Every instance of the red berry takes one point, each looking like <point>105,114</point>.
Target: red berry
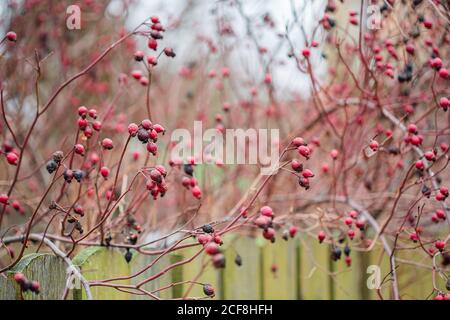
<point>440,214</point>
<point>334,154</point>
<point>321,236</point>
<point>360,224</point>
<point>266,211</point>
<point>147,124</point>
<point>298,141</point>
<point>419,165</point>
<point>159,128</point>
<point>133,129</point>
<point>430,156</point>
<point>307,173</point>
<point>107,144</point>
<point>348,261</point>
<point>104,171</point>
<point>203,238</point>
<point>136,74</point>
<point>296,165</point>
<point>304,151</point>
<point>82,124</point>
<point>12,158</point>
<point>306,52</point>
<point>4,198</point>
<point>19,277</point>
<point>92,113</point>
<point>11,36</point>
<point>374,145</point>
<point>212,248</point>
<point>196,192</point>
<point>152,148</point>
<point>440,197</point>
<point>263,221</point>
<point>78,209</point>
<point>82,111</point>
<point>169,52</point>
<point>440,245</point>
<point>269,233</point>
<point>293,231</point>
<point>348,221</point>
<point>79,149</point>
<point>152,60</point>
<point>138,55</point>
<point>208,290</point>
<point>351,234</point>
<point>152,44</point>
<point>444,191</point>
<point>443,73</point>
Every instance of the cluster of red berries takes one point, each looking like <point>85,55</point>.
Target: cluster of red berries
<point>155,34</point>
<point>352,219</point>
<point>305,151</point>
<point>147,132</point>
<point>88,125</point>
<point>188,181</point>
<point>211,243</point>
<point>438,215</point>
<point>11,153</point>
<point>156,183</point>
<point>265,222</point>
<point>25,284</point>
<point>15,204</point>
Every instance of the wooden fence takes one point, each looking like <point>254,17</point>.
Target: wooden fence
<point>304,271</point>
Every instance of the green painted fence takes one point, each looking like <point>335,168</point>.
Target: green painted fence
<point>299,268</point>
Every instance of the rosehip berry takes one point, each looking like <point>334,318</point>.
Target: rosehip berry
<point>440,245</point>
<point>444,191</point>
<point>147,124</point>
<point>107,144</point>
<point>133,129</point>
<point>104,171</point>
<point>144,81</point>
<point>334,154</point>
<point>11,36</point>
<point>360,224</point>
<point>78,209</point>
<point>321,236</point>
<point>443,73</point>
<point>267,211</point>
<point>304,151</point>
<point>348,261</point>
<point>440,197</point>
<point>307,173</point>
<point>298,141</point>
<point>348,221</point>
<point>208,290</point>
<point>196,192</point>
<point>152,148</point>
<point>374,145</point>
<point>136,74</point>
<point>169,52</point>
<point>152,44</point>
<point>440,214</point>
<point>269,233</point>
<point>263,221</point>
<point>82,124</point>
<point>97,125</point>
<point>79,149</point>
<point>430,156</point>
<point>296,165</point>
<point>219,261</point>
<point>413,236</point>
<point>420,165</point>
<point>159,128</point>
<point>152,60</point>
<point>203,238</point>
<point>82,111</point>
<point>138,55</point>
<point>351,234</point>
<point>19,277</point>
<point>293,231</point>
<point>4,198</point>
<point>212,248</point>
<point>12,158</point>
<point>353,214</point>
<point>444,103</point>
<point>412,128</point>
<point>306,52</point>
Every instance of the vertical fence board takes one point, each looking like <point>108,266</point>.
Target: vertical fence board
<point>281,284</point>
<point>99,263</point>
<point>139,262</point>
<point>347,282</point>
<point>314,266</point>
<point>380,258</point>
<point>242,282</point>
<point>48,269</point>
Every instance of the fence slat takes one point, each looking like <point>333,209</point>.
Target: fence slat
<point>98,263</point>
<point>314,266</point>
<point>242,282</point>
<point>281,284</point>
<point>48,269</point>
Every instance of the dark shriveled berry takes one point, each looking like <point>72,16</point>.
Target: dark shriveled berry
<point>58,156</point>
<point>207,228</point>
<point>208,290</point>
<point>51,166</point>
<point>128,256</point>
<point>219,261</point>
<point>188,169</point>
<point>347,250</point>
<point>78,175</point>
<point>238,260</point>
<point>143,135</point>
<point>68,175</point>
